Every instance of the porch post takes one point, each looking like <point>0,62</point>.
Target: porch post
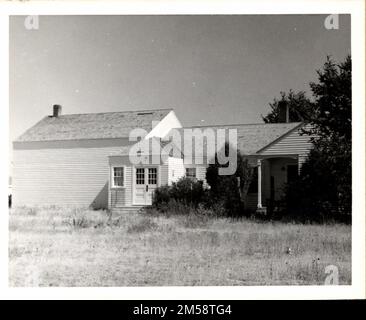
<point>301,158</point>
<point>259,166</point>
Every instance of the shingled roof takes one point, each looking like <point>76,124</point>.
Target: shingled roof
<point>92,125</point>
<point>251,137</point>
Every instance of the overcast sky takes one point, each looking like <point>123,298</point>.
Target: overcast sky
<point>210,69</point>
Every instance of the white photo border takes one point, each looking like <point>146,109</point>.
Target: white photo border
<point>354,7</point>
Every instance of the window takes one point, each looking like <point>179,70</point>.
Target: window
<point>140,176</point>
<point>152,176</point>
<point>191,172</point>
<point>118,176</point>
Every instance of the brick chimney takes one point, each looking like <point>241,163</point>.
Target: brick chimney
<point>283,115</point>
<point>57,109</point>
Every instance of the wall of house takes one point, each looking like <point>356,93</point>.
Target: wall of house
<point>252,201</point>
<point>176,169</point>
<point>164,173</point>
<point>200,171</point>
<point>292,143</point>
<point>171,170</point>
<point>66,175</point>
<point>278,169</point>
<point>121,197</point>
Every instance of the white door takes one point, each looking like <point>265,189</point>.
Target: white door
<point>146,181</point>
<point>139,192</point>
<point>152,182</point>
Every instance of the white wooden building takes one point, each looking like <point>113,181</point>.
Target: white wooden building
<point>84,159</point>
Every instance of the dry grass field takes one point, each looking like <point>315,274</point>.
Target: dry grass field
<point>75,247</point>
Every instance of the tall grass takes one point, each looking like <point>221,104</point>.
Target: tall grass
<point>80,247</point>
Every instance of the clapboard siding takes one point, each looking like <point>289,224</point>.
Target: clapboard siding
<point>301,160</point>
<point>200,171</point>
<point>278,169</point>
<point>251,201</point>
<point>121,197</point>
<point>62,176</point>
<point>164,173</point>
<point>176,169</point>
<point>292,143</point>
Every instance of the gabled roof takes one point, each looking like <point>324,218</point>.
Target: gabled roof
<point>251,137</point>
<point>92,125</point>
<point>280,138</point>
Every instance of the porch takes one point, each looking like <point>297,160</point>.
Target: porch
<point>272,174</point>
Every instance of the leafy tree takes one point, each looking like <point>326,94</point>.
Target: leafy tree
<point>331,114</point>
<point>331,124</point>
<point>313,196</point>
<point>325,182</point>
<point>298,105</point>
<point>230,190</point>
<point>324,187</point>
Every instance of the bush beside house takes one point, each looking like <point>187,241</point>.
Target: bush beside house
<point>224,196</point>
<point>186,191</point>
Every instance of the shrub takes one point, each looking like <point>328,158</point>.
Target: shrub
<point>174,207</point>
<point>231,191</point>
<point>225,189</point>
<point>186,192</point>
<point>188,196</point>
<point>314,195</point>
<point>161,196</point>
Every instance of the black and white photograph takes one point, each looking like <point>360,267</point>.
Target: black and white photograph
<point>182,150</point>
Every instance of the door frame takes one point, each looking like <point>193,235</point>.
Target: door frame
<point>134,179</point>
